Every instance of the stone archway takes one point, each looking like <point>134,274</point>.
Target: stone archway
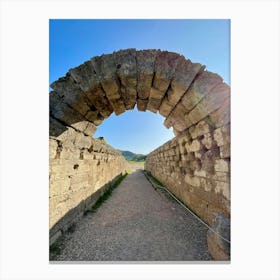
<point>151,79</point>
<point>196,103</point>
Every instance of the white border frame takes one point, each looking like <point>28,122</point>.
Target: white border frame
<point>255,137</point>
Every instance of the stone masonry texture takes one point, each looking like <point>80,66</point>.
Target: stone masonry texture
<point>195,168</point>
<point>80,169</point>
<point>195,165</point>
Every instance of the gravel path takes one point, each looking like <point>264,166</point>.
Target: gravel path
<point>136,224</point>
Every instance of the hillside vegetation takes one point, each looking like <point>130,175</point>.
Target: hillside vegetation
<point>130,156</point>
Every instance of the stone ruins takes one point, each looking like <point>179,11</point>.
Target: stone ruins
<point>194,165</point>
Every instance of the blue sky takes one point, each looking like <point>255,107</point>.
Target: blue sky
<point>74,41</point>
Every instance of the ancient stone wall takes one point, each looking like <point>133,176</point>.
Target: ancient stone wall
<point>195,166</point>
<point>81,168</point>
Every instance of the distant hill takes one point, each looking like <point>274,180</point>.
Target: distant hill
<point>132,156</point>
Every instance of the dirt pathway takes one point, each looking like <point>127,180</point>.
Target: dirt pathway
<point>136,224</point>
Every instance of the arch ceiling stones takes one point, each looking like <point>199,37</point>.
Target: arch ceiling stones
<point>160,81</point>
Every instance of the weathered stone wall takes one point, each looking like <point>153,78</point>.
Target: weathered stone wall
<point>81,168</point>
<point>195,166</point>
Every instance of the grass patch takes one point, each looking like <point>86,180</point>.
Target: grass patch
<point>155,180</point>
<point>134,162</point>
<point>106,195</point>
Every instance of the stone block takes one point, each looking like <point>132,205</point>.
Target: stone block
<point>90,129</point>
<point>178,112</point>
<point>187,121</point>
<point>177,118</point>
<point>64,114</point>
<point>126,67</point>
<point>165,108</point>
<point>85,76</point>
<point>207,141</point>
<point>69,134</point>
<point>82,141</point>
<point>200,129</point>
<point>142,104</point>
<point>61,111</point>
<point>130,98</point>
<point>211,102</point>
<point>165,66</point>
<point>127,73</point>
<point>80,126</point>
<point>221,165</point>
<point>69,153</point>
<point>100,102</point>
<point>56,128</point>
<point>118,106</point>
<point>54,99</point>
<point>201,86</point>
<point>145,71</point>
<point>153,105</point>
<point>184,74</point>
<point>194,146</point>
<point>221,116</point>
<point>68,143</point>
<point>179,125</point>
<point>155,98</point>
<point>71,94</point>
<point>98,122</point>
<point>156,94</point>
<point>105,68</point>
<point>222,135</point>
<point>92,115</point>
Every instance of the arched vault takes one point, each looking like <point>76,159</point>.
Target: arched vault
<point>160,81</point>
